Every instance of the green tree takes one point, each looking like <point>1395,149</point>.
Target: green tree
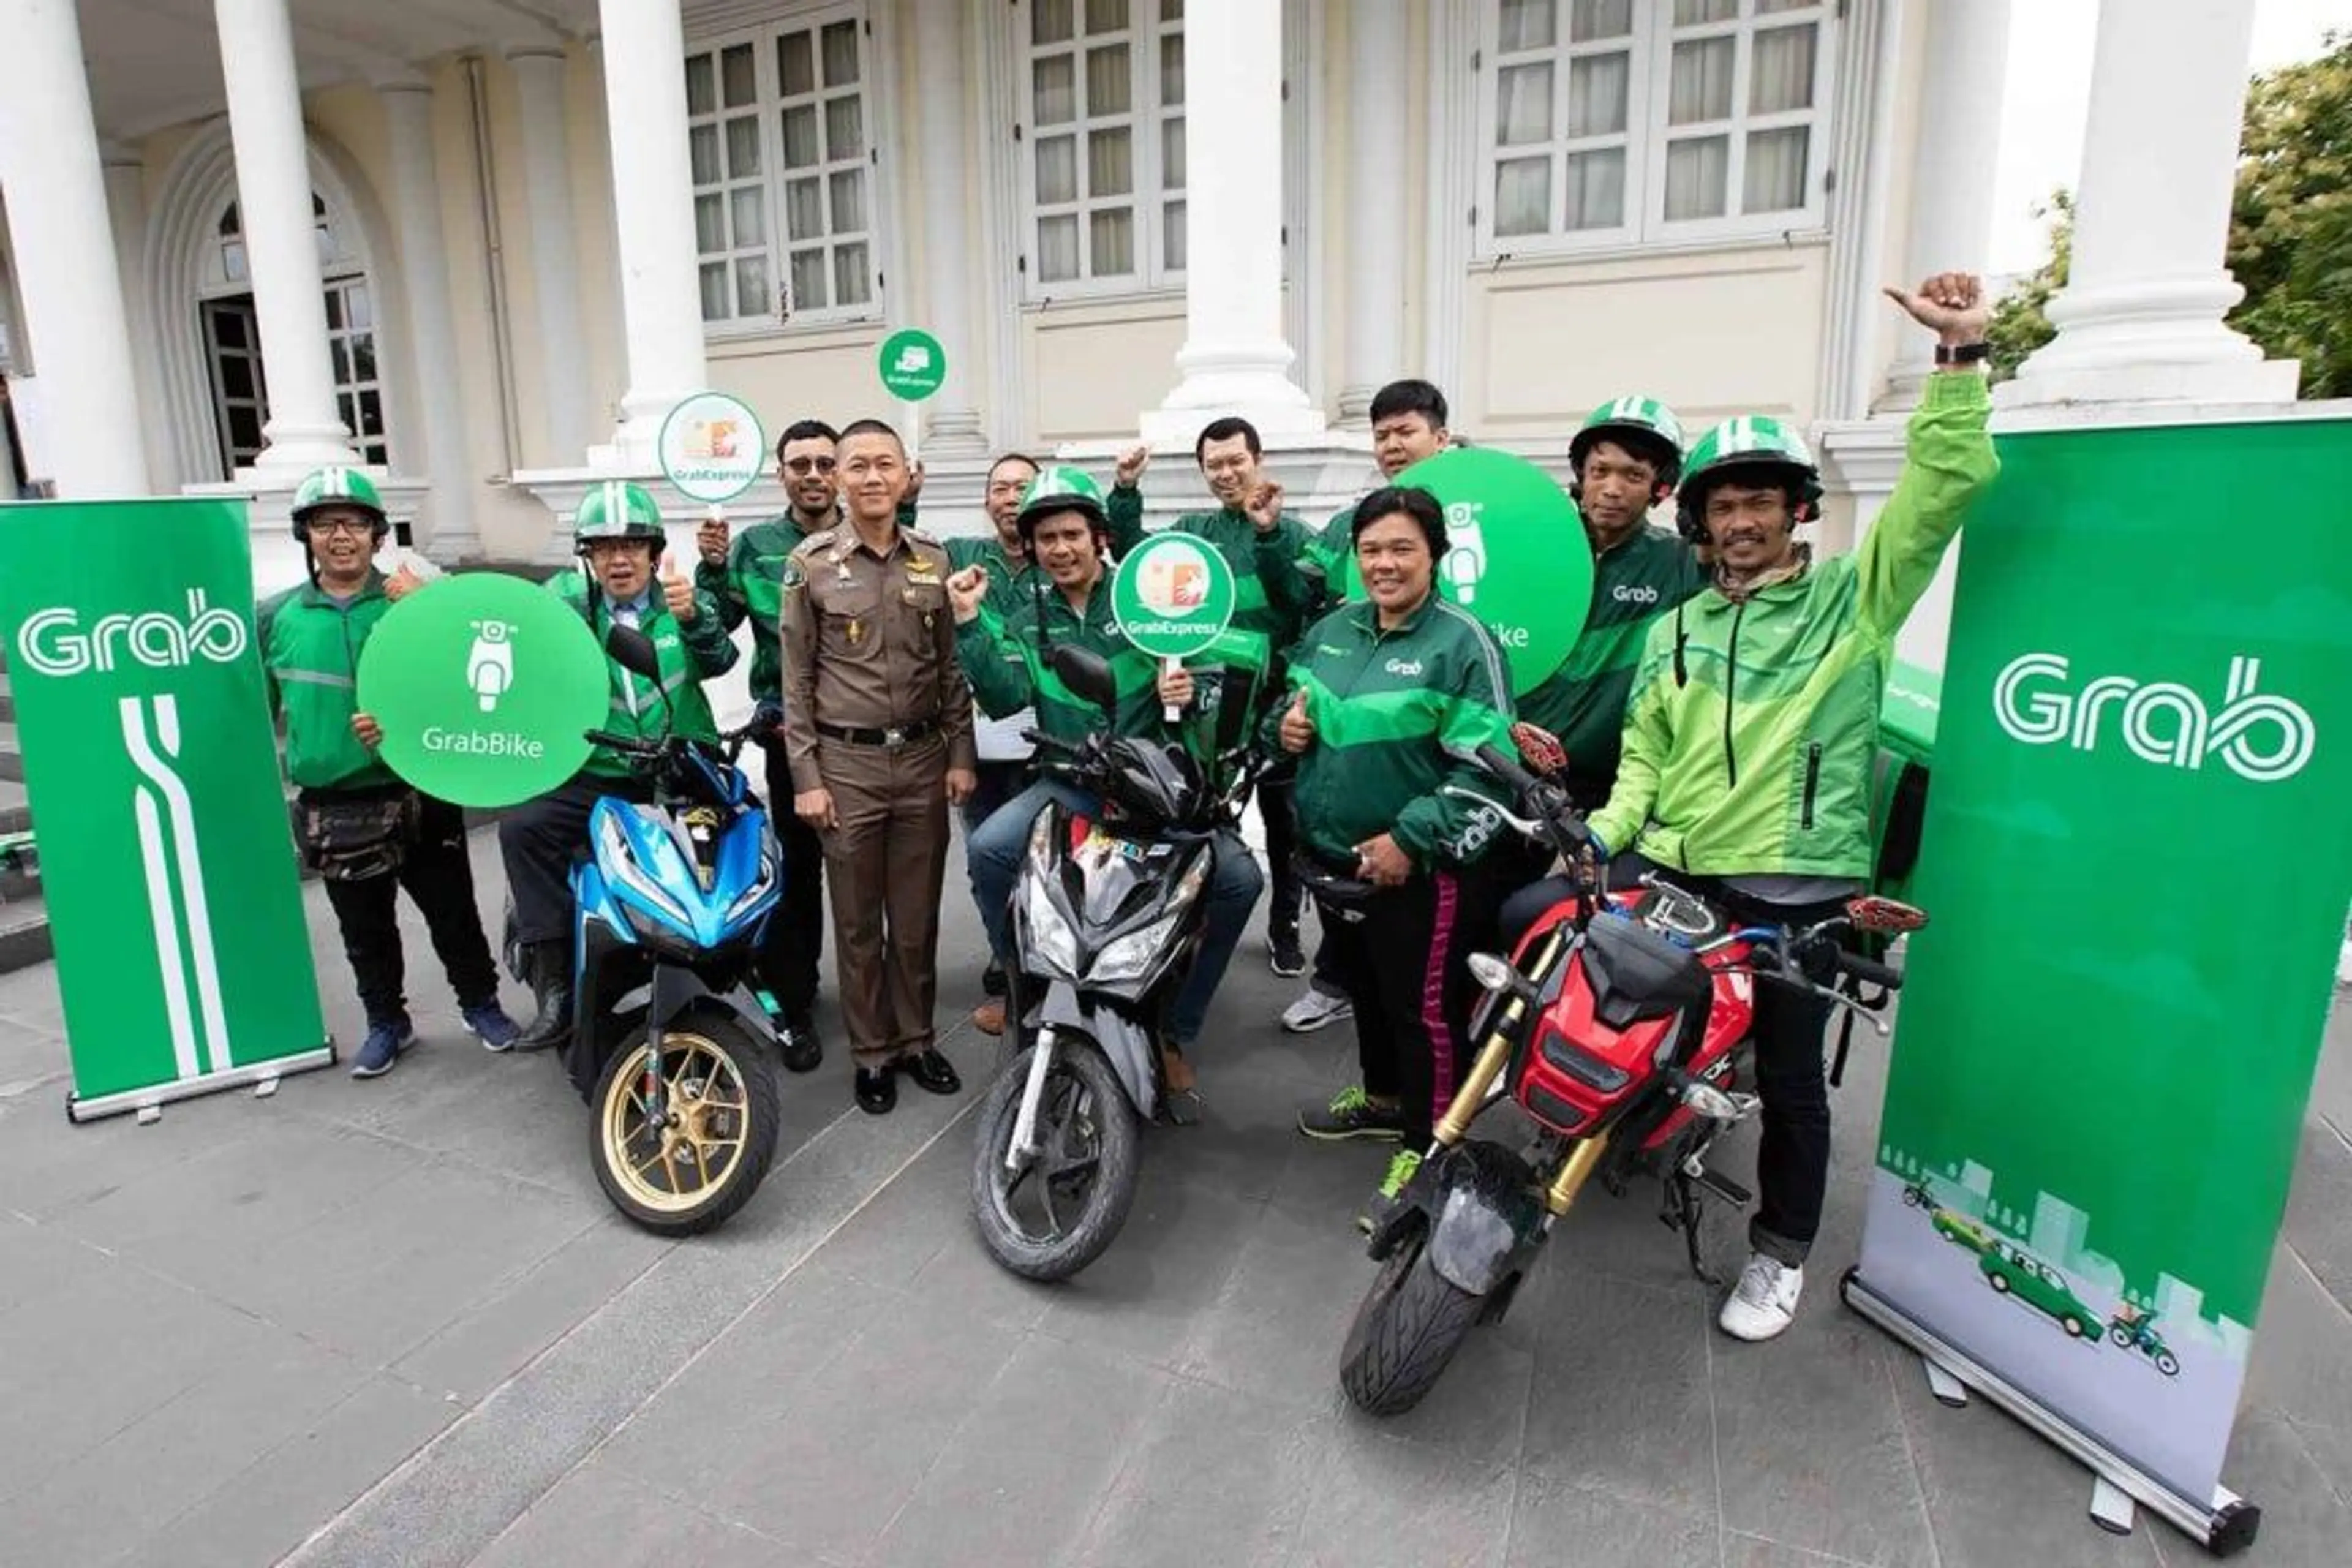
<point>2290,230</point>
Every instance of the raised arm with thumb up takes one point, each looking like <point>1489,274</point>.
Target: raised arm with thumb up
<point>1298,731</point>
<point>677,593</point>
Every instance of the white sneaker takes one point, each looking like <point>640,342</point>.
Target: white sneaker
<point>1314,1010</point>
<point>1764,1302</point>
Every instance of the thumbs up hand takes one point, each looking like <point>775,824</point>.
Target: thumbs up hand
<point>1298,731</point>
<point>677,593</point>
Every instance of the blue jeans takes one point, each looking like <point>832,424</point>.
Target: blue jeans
<point>996,848</point>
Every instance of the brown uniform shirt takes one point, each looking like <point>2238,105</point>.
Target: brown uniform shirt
<point>869,644</point>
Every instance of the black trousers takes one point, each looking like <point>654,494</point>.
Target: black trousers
<point>1277,809</point>
<point>538,840</point>
<point>1403,967</point>
<point>440,882</point>
<point>1792,1158</point>
<point>794,940</point>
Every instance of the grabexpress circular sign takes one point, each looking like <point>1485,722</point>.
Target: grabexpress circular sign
<point>712,448</point>
<point>486,686</point>
<point>1516,555</point>
<point>913,365</point>
<point>1173,595</point>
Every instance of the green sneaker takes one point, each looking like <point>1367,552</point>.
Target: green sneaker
<point>1352,1114</point>
<point>1403,1166</point>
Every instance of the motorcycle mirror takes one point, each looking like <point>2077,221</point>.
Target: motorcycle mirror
<point>1085,672</point>
<point>633,651</point>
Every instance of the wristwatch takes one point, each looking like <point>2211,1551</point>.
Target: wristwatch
<point>1963,353</point>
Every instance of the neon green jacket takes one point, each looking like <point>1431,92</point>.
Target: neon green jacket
<point>310,659</point>
<point>691,654</point>
<point>1397,714</point>
<point>1749,742</point>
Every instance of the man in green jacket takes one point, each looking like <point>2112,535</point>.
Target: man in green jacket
<point>311,637</point>
<point>1392,697</point>
<point>1066,530</point>
<point>619,529</point>
<point>1749,738</point>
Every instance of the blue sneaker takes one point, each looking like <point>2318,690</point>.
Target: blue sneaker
<point>491,1025</point>
<point>382,1046</point>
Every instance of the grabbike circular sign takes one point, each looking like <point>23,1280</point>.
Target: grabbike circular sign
<point>486,686</point>
<point>712,448</point>
<point>1173,595</point>
<point>1516,555</point>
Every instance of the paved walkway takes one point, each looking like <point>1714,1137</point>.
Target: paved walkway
<point>396,1323</point>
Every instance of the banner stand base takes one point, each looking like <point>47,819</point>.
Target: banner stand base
<point>148,1102</point>
<point>2224,1525</point>
<point>1948,1390</point>
<point>2112,1508</point>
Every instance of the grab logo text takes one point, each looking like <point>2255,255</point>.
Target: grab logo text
<point>2256,735</point>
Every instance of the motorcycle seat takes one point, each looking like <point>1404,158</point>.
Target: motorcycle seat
<point>1638,975</point>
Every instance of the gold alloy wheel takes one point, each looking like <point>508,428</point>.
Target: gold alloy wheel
<point>678,1162</point>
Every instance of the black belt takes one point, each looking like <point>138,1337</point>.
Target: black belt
<point>896,736</point>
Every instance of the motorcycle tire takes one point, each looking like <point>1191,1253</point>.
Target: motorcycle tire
<point>1079,1072</point>
<point>625,1158</point>
<point>1412,1323</point>
<point>2168,1363</point>
<point>2122,1337</point>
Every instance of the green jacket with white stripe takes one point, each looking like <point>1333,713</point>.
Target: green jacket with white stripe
<point>1753,729</point>
<point>310,657</point>
<point>691,654</point>
<point>1270,596</point>
<point>1397,715</point>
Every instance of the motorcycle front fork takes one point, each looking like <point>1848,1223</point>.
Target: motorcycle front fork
<point>1021,1147</point>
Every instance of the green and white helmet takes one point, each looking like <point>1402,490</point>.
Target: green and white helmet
<point>1754,444</point>
<point>1060,487</point>
<point>1641,425</point>
<point>617,509</point>
<point>336,486</point>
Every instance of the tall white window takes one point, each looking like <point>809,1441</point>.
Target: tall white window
<point>778,126</point>
<point>1613,122</point>
<point>1102,96</point>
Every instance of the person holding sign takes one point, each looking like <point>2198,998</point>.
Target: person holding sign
<point>744,578</point>
<point>1753,729</point>
<point>1391,696</point>
<point>367,834</point>
<point>877,730</point>
<point>1066,530</point>
<point>628,580</point>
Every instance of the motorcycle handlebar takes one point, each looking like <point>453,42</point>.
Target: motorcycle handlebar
<point>1871,973</point>
<point>1506,768</point>
<point>620,743</point>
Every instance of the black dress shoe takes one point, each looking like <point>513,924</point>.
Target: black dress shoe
<point>878,1091</point>
<point>931,1071</point>
<point>803,1049</point>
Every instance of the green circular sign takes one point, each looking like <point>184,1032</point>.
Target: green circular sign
<point>485,686</point>
<point>1173,595</point>
<point>711,447</point>
<point>913,365</point>
<point>1515,556</point>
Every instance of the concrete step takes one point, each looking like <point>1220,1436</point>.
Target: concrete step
<point>15,810</point>
<point>24,925</point>
<point>7,701</point>
<point>12,760</point>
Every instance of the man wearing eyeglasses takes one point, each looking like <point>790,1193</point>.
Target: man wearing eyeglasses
<point>745,575</point>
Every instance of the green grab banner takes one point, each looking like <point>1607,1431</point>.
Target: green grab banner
<point>1516,555</point>
<point>486,686</point>
<point>167,862</point>
<point>912,363</point>
<point>2137,859</point>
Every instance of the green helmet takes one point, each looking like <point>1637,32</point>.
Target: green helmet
<point>1753,443</point>
<point>1060,487</point>
<point>336,486</point>
<point>617,509</point>
<point>1642,425</point>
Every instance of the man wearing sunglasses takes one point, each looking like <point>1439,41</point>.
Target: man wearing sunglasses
<point>745,576</point>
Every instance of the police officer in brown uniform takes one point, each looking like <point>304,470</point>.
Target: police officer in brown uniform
<point>877,730</point>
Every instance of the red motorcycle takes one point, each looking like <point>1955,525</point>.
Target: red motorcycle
<point>1616,1031</point>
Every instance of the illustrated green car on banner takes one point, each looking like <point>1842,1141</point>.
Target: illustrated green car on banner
<point>2013,1271</point>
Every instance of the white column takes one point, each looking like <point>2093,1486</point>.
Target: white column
<point>1952,167</point>
<point>416,212</point>
<point>1376,158</point>
<point>951,423</point>
<point>126,205</point>
<point>652,204</point>
<point>281,242</point>
<point>554,260</point>
<point>66,272</point>
<point>1234,359</point>
<point>2140,317</point>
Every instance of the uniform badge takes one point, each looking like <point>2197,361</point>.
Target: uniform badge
<point>793,577</point>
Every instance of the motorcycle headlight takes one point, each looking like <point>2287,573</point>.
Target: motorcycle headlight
<point>1050,936</point>
<point>623,864</point>
<point>1129,958</point>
